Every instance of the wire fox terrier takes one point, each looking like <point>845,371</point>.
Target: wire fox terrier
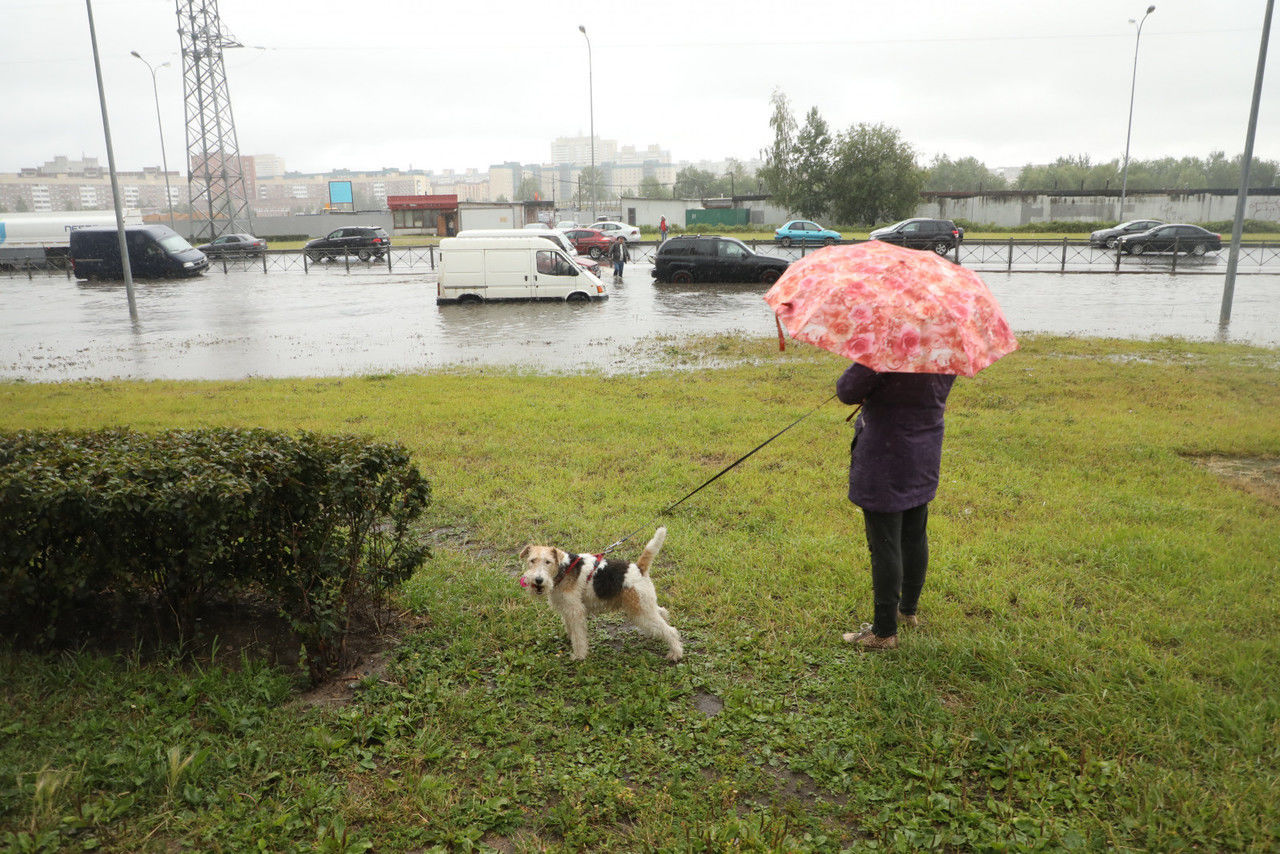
<point>578,585</point>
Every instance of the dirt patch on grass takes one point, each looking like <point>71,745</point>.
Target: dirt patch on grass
<point>1258,476</point>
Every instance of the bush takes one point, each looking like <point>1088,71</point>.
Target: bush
<point>316,523</point>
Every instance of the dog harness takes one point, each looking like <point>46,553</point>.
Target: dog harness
<point>573,565</point>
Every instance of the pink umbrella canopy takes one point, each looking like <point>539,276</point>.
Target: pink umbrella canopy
<point>892,309</point>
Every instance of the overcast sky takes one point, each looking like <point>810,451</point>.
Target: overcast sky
<point>434,85</point>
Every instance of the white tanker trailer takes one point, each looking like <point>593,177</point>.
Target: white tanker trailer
<point>38,237</point>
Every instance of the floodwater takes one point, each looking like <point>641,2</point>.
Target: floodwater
<point>328,323</point>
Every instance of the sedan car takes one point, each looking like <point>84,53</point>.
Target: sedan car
<point>590,241</point>
<point>803,231</point>
<point>235,246</point>
<point>618,229</point>
<point>1107,237</point>
<point>1178,237</point>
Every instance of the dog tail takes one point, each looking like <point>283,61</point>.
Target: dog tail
<point>651,550</point>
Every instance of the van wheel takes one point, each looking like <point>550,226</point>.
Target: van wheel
<point>363,255</point>
<point>768,277</point>
<point>682,277</point>
<point>577,296</point>
<point>470,299</point>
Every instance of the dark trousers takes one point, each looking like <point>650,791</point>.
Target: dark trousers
<point>899,547</point>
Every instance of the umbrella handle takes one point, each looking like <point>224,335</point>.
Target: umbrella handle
<point>782,342</point>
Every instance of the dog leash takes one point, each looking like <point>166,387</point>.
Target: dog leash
<point>723,471</point>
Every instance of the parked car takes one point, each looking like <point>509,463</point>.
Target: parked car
<point>590,241</point>
<point>1177,237</point>
<point>940,235</point>
<point>566,224</point>
<point>618,229</point>
<point>235,246</point>
<point>805,231</point>
<point>363,241</point>
<point>691,258</point>
<point>1107,237</point>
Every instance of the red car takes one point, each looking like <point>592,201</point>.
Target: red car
<point>590,241</point>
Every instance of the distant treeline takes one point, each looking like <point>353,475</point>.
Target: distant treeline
<point>1216,171</point>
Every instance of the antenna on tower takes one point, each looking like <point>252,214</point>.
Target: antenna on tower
<point>215,177</point>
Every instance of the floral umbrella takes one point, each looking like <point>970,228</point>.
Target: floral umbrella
<point>892,309</point>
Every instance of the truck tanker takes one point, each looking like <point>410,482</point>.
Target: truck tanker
<point>34,238</point>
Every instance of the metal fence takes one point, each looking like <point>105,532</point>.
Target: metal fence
<point>1012,255</point>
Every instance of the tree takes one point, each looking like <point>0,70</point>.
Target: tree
<point>738,176</point>
<point>651,188</point>
<point>811,168</point>
<point>873,176</point>
<point>968,174</point>
<point>1071,173</point>
<point>591,185</point>
<point>529,189</point>
<point>776,173</point>
<point>692,182</point>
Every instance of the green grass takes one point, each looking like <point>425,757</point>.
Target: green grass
<point>1097,670</point>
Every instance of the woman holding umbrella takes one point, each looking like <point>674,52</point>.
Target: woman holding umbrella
<point>911,322</point>
<point>893,475</point>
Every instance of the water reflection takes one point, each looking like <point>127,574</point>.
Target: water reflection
<point>227,326</point>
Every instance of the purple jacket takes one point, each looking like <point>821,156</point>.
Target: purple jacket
<point>897,448</point>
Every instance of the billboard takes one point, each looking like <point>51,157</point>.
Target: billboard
<point>340,198</point>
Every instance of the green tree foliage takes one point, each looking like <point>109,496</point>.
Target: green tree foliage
<point>529,189</point>
<point>695,183</point>
<point>968,174</point>
<point>862,175</point>
<point>874,176</point>
<point>591,186</point>
<point>1216,171</point>
<point>651,188</point>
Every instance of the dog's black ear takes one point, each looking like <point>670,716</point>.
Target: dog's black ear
<point>524,552</point>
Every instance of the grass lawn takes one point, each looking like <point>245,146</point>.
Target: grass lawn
<point>1097,669</point>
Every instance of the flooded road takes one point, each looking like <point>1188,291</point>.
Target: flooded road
<point>241,324</point>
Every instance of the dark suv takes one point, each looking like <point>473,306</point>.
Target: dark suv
<point>362,241</point>
<point>940,235</point>
<point>713,259</point>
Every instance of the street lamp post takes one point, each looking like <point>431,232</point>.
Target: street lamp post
<point>591,101</point>
<point>1124,181</point>
<point>164,158</point>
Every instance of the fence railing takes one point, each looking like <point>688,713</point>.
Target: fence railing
<point>1010,255</point>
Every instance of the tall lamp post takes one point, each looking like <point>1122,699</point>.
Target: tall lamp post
<point>591,101</point>
<point>164,158</point>
<point>1124,181</point>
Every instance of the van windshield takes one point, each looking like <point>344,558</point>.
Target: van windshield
<point>175,243</point>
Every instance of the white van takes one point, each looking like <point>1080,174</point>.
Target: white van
<point>557,237</point>
<point>475,269</point>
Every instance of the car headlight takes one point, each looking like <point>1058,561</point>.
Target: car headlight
<point>190,263</point>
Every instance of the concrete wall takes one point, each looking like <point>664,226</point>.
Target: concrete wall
<point>316,225</point>
<point>1010,208</point>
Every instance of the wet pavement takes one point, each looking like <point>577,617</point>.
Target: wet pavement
<point>250,323</point>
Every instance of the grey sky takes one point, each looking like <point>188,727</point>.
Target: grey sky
<point>392,83</point>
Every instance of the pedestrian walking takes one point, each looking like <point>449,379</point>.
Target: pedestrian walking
<point>619,255</point>
<point>662,227</point>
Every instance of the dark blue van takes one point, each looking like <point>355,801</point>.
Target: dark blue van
<point>155,252</point>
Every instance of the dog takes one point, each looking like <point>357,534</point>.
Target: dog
<point>578,585</point>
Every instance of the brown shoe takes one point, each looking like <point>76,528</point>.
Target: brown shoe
<point>866,640</point>
<point>912,620</point>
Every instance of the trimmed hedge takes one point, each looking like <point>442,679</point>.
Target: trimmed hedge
<point>316,523</point>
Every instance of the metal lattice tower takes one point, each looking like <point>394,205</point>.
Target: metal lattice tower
<point>215,178</point>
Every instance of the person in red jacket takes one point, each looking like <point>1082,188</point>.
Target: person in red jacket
<point>894,463</point>
<point>662,227</point>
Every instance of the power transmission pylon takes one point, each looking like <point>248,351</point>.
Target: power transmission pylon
<point>215,178</point>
